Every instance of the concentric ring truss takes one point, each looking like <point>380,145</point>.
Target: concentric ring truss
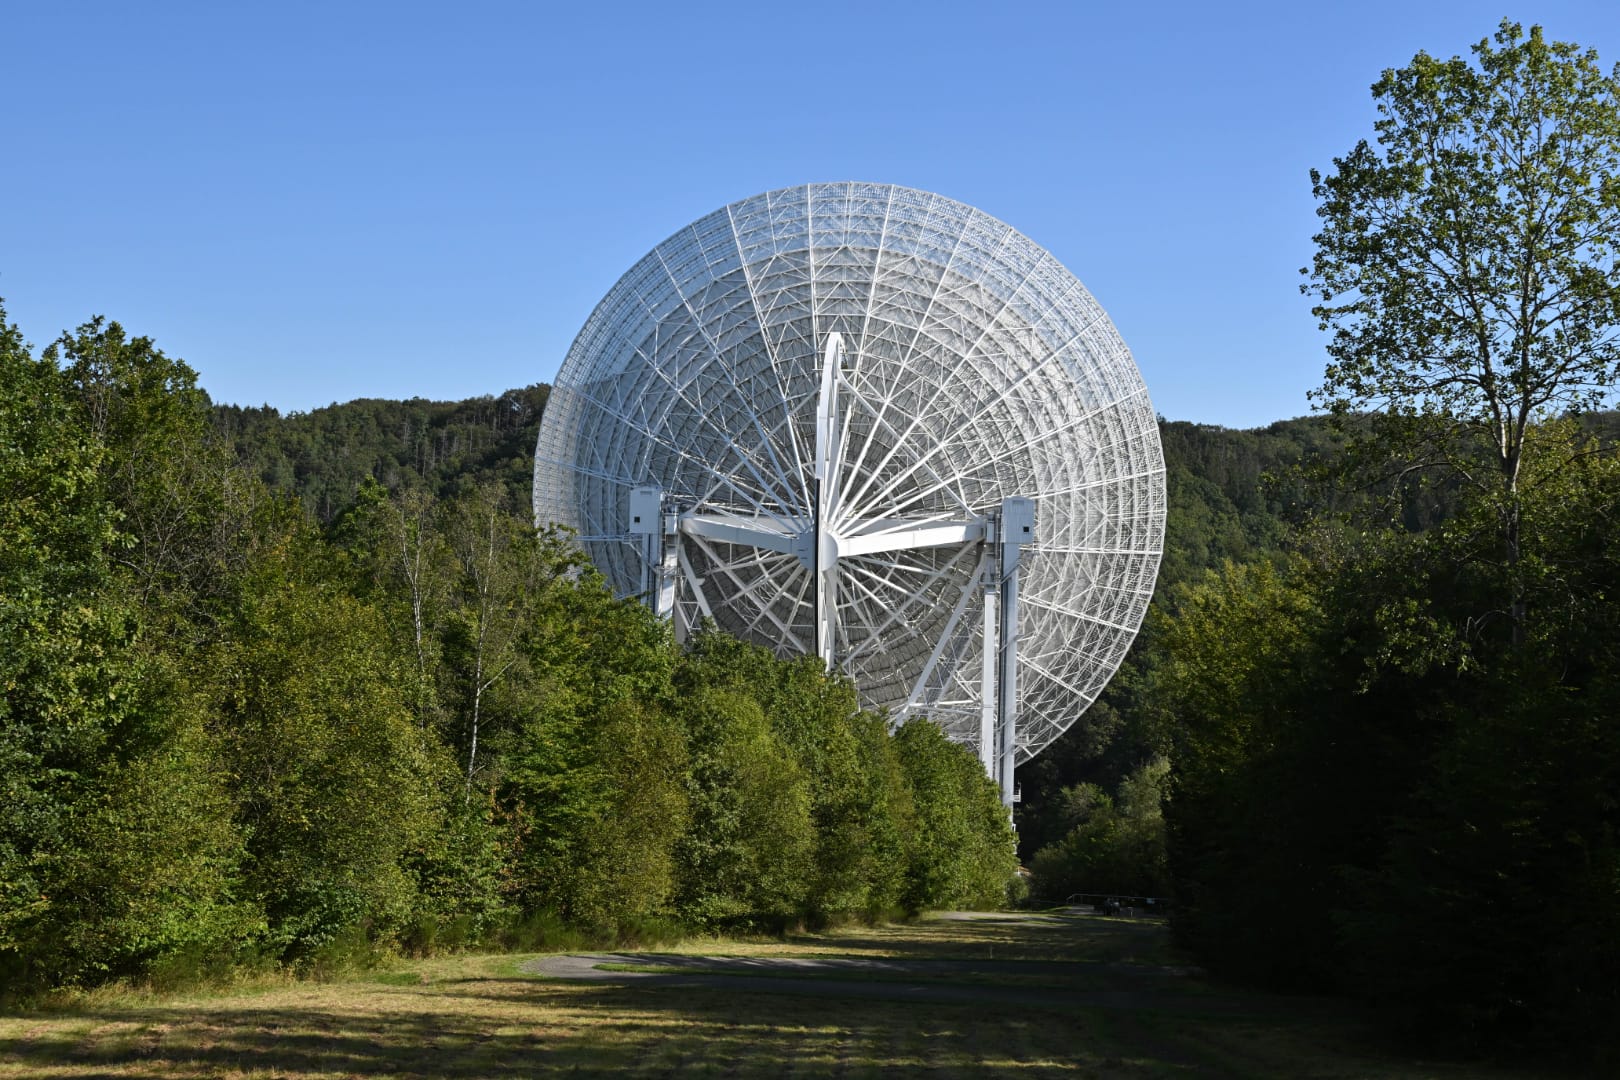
<point>973,368</point>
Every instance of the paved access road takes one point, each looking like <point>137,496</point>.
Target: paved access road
<point>1046,983</point>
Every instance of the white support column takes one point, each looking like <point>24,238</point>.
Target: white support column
<point>646,524</point>
<point>987,678</point>
<point>668,570</point>
<point>656,527</point>
<point>1017,529</point>
<point>826,542</point>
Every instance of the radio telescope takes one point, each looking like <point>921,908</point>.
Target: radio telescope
<point>874,425</point>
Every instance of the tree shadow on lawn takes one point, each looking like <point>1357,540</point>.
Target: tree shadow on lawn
<point>1053,937</point>
<point>1120,1010</point>
<point>500,1027</point>
<point>1050,985</point>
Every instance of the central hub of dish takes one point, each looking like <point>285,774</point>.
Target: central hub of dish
<point>812,544</point>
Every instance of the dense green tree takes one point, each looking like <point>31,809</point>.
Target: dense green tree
<point>186,510</point>
<point>859,804</point>
<point>858,814</point>
<point>115,854</point>
<point>1370,795</point>
<point>391,549</point>
<point>593,771</point>
<point>962,852</point>
<point>226,732</point>
<point>889,818</point>
<point>1113,845</point>
<point>1240,664</point>
<point>501,568</point>
<point>458,581</point>
<point>144,880</point>
<point>1492,909</point>
<point>54,533</point>
<point>748,850</point>
<point>1467,266</point>
<point>334,779</point>
<point>1307,702</point>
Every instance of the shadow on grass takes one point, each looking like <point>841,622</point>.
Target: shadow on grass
<point>1125,1013</point>
<point>1050,985</point>
<point>514,1027</point>
<point>1050,937</point>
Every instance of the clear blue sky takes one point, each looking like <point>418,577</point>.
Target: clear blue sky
<point>312,203</point>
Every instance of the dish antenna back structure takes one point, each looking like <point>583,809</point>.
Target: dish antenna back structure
<point>878,426</point>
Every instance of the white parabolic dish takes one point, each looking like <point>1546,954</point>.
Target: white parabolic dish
<point>974,368</point>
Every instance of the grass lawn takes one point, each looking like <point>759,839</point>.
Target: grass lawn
<point>480,1016</point>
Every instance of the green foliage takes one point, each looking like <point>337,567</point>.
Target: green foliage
<point>1376,793</point>
<point>114,855</point>
<point>860,806</point>
<point>962,849</point>
<point>333,778</point>
<point>593,772</point>
<point>438,448</point>
<point>145,879</point>
<point>1466,265</point>
<point>230,735</point>
<point>1452,686</point>
<point>57,692</point>
<point>460,873</point>
<point>1240,664</point>
<point>1496,893</point>
<point>1112,845</point>
<point>748,850</point>
<point>186,512</point>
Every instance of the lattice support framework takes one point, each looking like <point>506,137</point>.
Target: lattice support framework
<point>832,391</point>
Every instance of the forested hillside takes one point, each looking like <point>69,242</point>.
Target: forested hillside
<point>1231,492</point>
<point>440,447</point>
